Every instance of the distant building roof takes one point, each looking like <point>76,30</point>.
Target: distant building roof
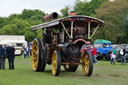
<point>12,37</point>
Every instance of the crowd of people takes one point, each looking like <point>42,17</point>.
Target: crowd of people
<point>25,51</point>
<point>9,53</point>
<point>113,55</point>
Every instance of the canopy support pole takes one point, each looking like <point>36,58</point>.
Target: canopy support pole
<point>89,30</point>
<point>94,31</point>
<point>72,29</point>
<point>65,29</point>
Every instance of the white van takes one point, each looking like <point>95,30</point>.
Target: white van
<point>18,41</point>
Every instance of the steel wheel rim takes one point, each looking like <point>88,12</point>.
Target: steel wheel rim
<point>54,63</point>
<point>34,55</point>
<point>85,65</point>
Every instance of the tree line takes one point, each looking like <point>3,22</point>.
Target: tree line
<point>114,14</point>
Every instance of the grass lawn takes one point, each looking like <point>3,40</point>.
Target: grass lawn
<point>103,74</point>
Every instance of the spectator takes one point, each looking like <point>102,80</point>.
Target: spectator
<point>93,51</point>
<point>2,57</point>
<point>27,51</point>
<point>23,52</point>
<point>114,50</point>
<point>122,54</point>
<point>11,56</point>
<point>113,57</point>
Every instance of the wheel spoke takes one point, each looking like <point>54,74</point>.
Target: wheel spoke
<point>35,59</point>
<point>35,53</point>
<point>35,64</point>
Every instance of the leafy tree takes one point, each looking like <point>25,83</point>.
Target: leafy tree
<point>64,11</point>
<point>27,13</point>
<point>16,27</point>
<point>8,29</point>
<point>34,20</point>
<point>115,16</point>
<point>13,16</point>
<point>88,8</point>
<point>29,36</point>
<point>19,24</point>
<point>3,21</point>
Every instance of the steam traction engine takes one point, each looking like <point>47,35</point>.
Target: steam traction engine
<point>62,42</point>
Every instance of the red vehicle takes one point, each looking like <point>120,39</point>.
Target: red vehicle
<point>61,44</point>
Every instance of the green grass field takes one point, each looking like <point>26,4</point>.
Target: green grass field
<point>103,74</point>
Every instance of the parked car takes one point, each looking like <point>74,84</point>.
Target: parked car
<point>103,48</point>
<point>126,50</point>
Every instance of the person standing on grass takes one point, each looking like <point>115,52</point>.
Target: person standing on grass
<point>113,57</point>
<point>11,56</point>
<point>93,51</point>
<point>22,52</point>
<point>27,51</point>
<point>122,54</point>
<point>114,50</point>
<point>2,57</point>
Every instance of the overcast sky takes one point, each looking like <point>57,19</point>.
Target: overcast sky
<point>8,7</point>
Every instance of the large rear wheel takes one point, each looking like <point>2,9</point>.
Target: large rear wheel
<point>56,63</point>
<point>38,56</point>
<point>87,65</point>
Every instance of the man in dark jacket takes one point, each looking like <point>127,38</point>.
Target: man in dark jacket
<point>11,56</point>
<point>122,53</point>
<point>2,57</point>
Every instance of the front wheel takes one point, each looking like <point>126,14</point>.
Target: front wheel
<point>56,63</point>
<point>87,65</point>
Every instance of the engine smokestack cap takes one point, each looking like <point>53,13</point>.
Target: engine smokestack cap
<point>72,13</point>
